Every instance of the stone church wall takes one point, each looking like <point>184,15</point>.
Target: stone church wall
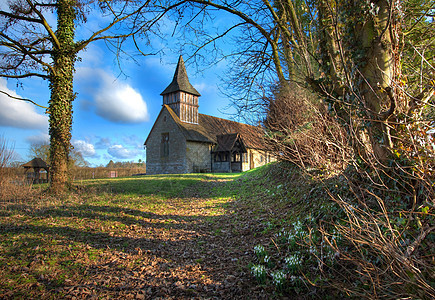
<point>221,167</point>
<point>174,162</point>
<point>198,157</point>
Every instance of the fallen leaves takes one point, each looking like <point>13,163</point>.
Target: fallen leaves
<point>194,246</point>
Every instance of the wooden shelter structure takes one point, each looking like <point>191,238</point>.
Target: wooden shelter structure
<point>36,164</point>
<point>229,152</point>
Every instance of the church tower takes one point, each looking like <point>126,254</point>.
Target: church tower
<point>181,96</point>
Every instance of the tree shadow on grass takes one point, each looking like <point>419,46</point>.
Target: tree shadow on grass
<point>171,263</point>
<point>119,271</point>
<point>157,254</point>
<point>95,214</point>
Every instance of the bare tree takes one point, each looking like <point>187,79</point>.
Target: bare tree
<point>32,47</point>
<point>6,154</point>
<point>372,62</point>
<point>348,52</point>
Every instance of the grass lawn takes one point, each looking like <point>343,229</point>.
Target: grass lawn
<point>167,236</point>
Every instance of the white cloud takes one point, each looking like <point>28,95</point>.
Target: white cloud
<point>42,138</point>
<point>85,148</point>
<point>133,141</point>
<point>90,57</point>
<point>204,88</point>
<point>119,102</point>
<point>19,114</point>
<point>118,151</point>
<point>103,143</point>
<point>114,100</point>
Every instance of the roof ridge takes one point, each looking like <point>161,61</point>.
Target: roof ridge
<point>255,126</point>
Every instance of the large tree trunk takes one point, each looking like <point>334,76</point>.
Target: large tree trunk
<point>377,76</point>
<point>62,95</point>
<point>360,68</point>
<point>332,63</point>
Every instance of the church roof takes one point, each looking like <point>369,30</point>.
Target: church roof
<point>180,82</point>
<point>228,142</point>
<point>209,128</point>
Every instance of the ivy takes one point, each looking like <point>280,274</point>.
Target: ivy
<point>62,95</point>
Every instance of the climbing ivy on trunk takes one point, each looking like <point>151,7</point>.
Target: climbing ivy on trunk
<point>62,96</point>
<point>31,47</point>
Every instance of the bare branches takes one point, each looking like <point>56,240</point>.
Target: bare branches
<point>44,22</point>
<point>18,17</point>
<point>117,19</point>
<point>22,99</point>
<point>302,131</point>
<point>24,42</point>
<point>26,75</point>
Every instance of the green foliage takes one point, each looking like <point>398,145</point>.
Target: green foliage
<point>125,164</point>
<point>259,272</point>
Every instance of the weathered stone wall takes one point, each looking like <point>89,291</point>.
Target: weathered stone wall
<point>198,157</point>
<point>175,162</point>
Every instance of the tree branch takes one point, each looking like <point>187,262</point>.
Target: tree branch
<point>21,48</point>
<point>45,24</point>
<point>22,99</point>
<point>25,76</point>
<point>18,17</point>
<point>95,36</point>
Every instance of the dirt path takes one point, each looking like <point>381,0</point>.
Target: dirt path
<point>199,248</point>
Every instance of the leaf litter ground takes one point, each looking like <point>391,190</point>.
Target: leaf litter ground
<point>161,237</point>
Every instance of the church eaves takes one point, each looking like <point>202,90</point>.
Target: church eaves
<point>180,82</point>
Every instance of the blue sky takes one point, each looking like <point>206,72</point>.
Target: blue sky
<point>113,111</point>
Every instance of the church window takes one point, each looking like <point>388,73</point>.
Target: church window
<point>164,146</point>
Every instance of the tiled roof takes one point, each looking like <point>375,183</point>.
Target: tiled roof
<point>228,142</point>
<point>180,82</point>
<point>208,128</point>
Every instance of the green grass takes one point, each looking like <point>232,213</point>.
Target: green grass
<point>48,244</point>
<point>115,227</point>
<point>165,186</point>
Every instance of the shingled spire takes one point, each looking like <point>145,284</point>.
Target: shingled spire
<point>180,82</point>
<point>181,96</point>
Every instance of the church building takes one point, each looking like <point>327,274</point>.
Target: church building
<point>185,141</point>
